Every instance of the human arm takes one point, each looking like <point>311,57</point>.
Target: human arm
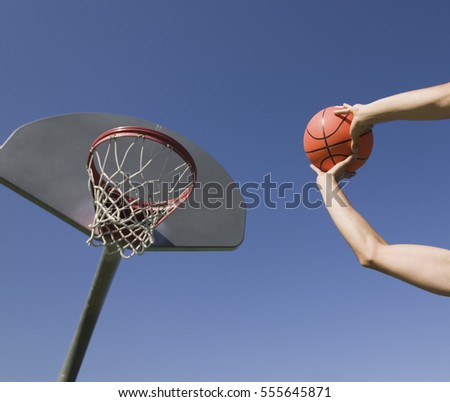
<point>432,103</point>
<point>422,266</point>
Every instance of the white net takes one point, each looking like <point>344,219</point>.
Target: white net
<point>136,182</point>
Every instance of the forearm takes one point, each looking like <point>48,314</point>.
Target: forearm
<point>431,103</point>
<point>358,233</point>
<point>422,266</point>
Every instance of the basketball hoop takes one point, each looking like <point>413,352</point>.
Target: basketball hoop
<point>137,178</point>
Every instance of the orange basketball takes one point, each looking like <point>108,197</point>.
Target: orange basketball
<point>327,141</point>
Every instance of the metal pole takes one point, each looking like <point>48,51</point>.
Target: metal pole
<point>106,270</point>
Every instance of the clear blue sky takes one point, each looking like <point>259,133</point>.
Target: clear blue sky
<point>241,79</point>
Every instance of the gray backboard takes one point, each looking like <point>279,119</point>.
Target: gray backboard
<point>45,161</point>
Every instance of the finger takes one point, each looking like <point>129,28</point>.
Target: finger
<point>341,111</point>
<point>345,105</point>
<point>344,109</point>
<point>355,146</point>
<point>341,164</point>
<point>346,161</point>
<point>315,168</point>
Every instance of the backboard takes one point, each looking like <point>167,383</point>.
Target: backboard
<point>45,161</point>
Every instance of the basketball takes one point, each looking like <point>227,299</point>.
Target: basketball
<point>327,141</point>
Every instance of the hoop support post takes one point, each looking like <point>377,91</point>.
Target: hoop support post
<point>106,270</point>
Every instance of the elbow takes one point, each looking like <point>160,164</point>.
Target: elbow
<point>444,99</point>
<point>367,255</point>
<point>365,261</point>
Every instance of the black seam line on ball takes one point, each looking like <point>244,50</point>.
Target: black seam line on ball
<point>337,143</point>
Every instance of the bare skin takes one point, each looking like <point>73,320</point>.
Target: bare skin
<point>431,103</point>
<point>423,266</point>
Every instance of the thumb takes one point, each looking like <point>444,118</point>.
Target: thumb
<point>355,148</point>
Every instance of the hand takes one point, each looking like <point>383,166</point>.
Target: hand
<point>357,127</point>
<point>337,171</point>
